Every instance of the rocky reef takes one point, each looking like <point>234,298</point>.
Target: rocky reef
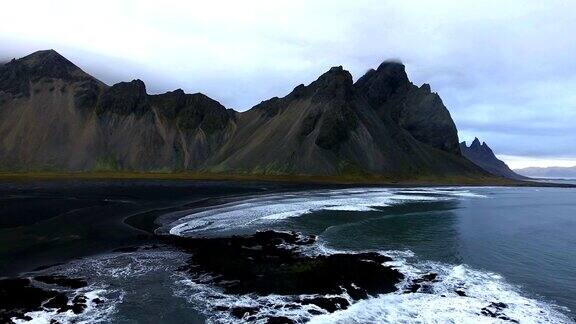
<point>272,262</point>
<point>284,276</point>
<point>23,295</point>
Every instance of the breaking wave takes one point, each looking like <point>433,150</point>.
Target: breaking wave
<point>260,211</point>
<point>459,294</point>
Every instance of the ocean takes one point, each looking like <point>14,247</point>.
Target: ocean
<point>498,254</point>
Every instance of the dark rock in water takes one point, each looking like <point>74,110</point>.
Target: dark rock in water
<point>426,289</point>
<point>429,277</point>
<point>279,320</point>
<point>422,284</point>
<point>412,288</point>
<point>240,312</point>
<point>495,310</point>
<point>330,304</point>
<point>460,293</point>
<point>19,296</point>
<point>62,281</point>
<point>272,262</point>
<point>59,302</point>
<point>315,312</point>
<point>79,304</point>
<point>499,305</point>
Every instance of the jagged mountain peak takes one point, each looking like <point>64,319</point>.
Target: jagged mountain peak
<point>388,79</point>
<point>334,84</point>
<point>17,75</point>
<point>125,98</point>
<point>386,126</point>
<point>45,56</point>
<point>179,92</point>
<point>49,63</point>
<point>426,87</point>
<point>392,67</point>
<point>480,146</point>
<point>483,156</point>
<point>136,86</point>
<point>416,109</point>
<point>336,75</point>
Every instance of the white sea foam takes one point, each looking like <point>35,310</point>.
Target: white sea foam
<point>263,210</point>
<point>102,270</point>
<point>94,313</point>
<point>124,265</point>
<point>441,305</point>
<point>209,299</point>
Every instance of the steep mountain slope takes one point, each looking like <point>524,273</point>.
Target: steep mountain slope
<point>59,118</point>
<point>55,116</point>
<point>482,155</point>
<point>333,126</point>
<point>415,109</point>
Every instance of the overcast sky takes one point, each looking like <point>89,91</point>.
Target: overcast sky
<point>506,70</point>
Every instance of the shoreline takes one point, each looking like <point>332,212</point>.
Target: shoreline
<point>107,215</point>
<point>238,265</point>
<point>293,179</point>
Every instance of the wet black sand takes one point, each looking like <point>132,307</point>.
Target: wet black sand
<point>48,222</point>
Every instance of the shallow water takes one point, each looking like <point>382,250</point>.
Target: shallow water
<point>510,245</point>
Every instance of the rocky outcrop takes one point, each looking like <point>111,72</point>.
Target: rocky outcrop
<point>125,98</point>
<point>55,116</point>
<point>272,263</point>
<point>335,127</point>
<point>22,296</point>
<point>17,76</point>
<point>416,109</point>
<point>482,155</point>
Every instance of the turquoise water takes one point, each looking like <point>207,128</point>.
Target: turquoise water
<point>514,245</point>
<point>526,235</point>
<point>511,245</point>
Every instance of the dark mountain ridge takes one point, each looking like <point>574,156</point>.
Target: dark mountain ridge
<point>54,116</point>
<point>483,156</point>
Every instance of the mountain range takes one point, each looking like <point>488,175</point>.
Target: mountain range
<point>55,116</point>
<point>483,156</point>
<point>549,172</point>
